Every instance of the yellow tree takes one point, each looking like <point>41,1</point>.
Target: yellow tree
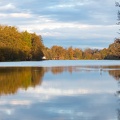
<point>78,53</point>
<point>88,53</point>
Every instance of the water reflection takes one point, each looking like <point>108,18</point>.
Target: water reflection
<point>112,70</point>
<point>115,73</point>
<point>59,93</point>
<point>11,79</point>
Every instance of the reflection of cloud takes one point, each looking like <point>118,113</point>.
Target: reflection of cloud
<point>65,92</point>
<point>71,112</point>
<point>15,102</point>
<point>80,95</point>
<point>54,91</point>
<point>7,111</point>
<point>20,102</point>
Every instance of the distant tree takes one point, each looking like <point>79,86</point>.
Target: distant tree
<point>104,53</point>
<point>70,53</point>
<point>88,53</point>
<point>47,53</point>
<point>78,53</point>
<point>114,50</point>
<point>58,52</point>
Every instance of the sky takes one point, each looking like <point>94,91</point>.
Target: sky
<point>77,23</point>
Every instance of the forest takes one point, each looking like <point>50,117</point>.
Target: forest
<point>25,46</point>
<point>60,53</point>
<point>19,46</point>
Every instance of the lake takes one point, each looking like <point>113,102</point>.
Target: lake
<point>60,90</point>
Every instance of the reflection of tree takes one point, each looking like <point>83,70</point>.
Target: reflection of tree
<point>118,112</point>
<point>59,70</point>
<point>115,74</point>
<point>114,71</point>
<point>11,79</point>
<point>56,70</point>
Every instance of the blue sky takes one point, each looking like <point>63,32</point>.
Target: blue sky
<point>77,23</point>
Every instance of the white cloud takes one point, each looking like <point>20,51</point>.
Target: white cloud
<point>72,19</point>
<point>75,30</point>
<point>7,7</point>
<point>42,23</point>
<point>3,15</point>
<point>61,6</point>
<point>19,15</point>
<point>16,15</point>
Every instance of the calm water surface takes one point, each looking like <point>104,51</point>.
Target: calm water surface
<point>60,90</point>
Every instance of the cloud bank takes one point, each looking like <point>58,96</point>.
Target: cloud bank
<point>64,22</point>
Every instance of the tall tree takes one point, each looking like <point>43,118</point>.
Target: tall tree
<point>117,4</point>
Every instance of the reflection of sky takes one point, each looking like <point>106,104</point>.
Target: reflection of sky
<point>52,63</point>
<point>80,95</point>
<point>91,81</point>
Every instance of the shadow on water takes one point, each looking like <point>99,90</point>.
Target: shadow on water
<point>11,79</point>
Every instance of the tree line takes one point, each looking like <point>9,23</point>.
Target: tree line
<point>60,53</point>
<point>112,52</point>
<point>25,46</point>
<point>19,46</point>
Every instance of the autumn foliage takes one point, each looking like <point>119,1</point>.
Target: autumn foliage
<point>19,46</point>
<point>60,53</point>
<point>25,46</point>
